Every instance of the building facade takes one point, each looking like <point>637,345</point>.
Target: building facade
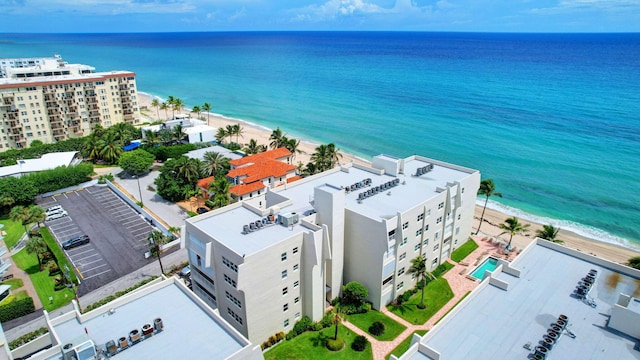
<point>269,260</point>
<point>54,101</point>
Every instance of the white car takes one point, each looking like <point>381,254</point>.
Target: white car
<point>54,209</point>
<point>58,215</point>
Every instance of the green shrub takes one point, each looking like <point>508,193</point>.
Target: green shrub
<point>327,320</point>
<point>335,345</point>
<point>16,309</point>
<point>118,294</point>
<point>27,337</point>
<point>377,328</point>
<point>302,325</point>
<point>359,343</point>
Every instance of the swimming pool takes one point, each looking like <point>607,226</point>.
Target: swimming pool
<point>489,263</point>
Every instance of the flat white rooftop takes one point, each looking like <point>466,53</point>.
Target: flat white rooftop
<point>45,162</point>
<point>227,225</point>
<point>189,331</point>
<point>496,324</point>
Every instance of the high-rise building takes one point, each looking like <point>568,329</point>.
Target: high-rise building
<point>49,100</point>
<point>269,260</point>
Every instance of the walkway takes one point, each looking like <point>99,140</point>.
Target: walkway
<point>460,285</point>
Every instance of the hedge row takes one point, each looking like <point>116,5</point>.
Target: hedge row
<point>55,249</point>
<point>16,309</point>
<point>110,298</point>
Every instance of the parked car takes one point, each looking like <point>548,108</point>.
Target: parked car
<point>54,209</point>
<point>57,215</point>
<point>75,241</point>
<point>201,210</point>
<point>186,271</point>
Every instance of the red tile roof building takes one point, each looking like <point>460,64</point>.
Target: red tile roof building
<point>252,174</point>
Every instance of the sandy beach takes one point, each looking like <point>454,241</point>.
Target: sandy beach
<point>492,218</point>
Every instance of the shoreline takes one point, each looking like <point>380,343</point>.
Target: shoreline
<point>602,248</point>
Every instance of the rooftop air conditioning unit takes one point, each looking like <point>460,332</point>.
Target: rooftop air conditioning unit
<point>288,219</point>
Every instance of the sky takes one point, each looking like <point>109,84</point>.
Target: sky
<point>91,16</point>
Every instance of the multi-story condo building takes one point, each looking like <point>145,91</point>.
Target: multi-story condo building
<point>54,101</point>
<point>269,260</point>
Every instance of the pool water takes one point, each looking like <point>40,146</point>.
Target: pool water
<point>488,264</point>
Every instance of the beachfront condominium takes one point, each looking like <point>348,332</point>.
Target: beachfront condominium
<point>49,100</point>
<point>269,260</point>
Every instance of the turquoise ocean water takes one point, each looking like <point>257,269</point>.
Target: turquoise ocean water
<point>554,119</point>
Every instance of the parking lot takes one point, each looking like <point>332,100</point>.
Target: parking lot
<point>118,235</point>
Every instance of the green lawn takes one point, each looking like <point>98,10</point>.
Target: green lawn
<point>463,251</point>
<point>13,229</point>
<point>436,294</point>
<point>310,345</point>
<point>363,321</point>
<point>42,282</point>
<point>404,346</point>
<point>14,297</point>
<point>14,283</point>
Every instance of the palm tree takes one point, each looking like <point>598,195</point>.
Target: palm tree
<point>164,106</point>
<point>549,232</point>
<point>156,104</point>
<point>488,189</point>
<point>196,109</point>
<point>333,155</point>
<point>276,138</point>
<point>220,189</point>
<point>292,145</point>
<point>151,138</point>
<point>336,318</point>
<point>319,158</point>
<point>110,147</point>
<point>36,245</point>
<point>253,147</point>
<point>171,101</point>
<point>178,104</point>
<point>238,131</point>
<point>634,262</point>
<point>206,107</point>
<point>212,163</point>
<point>513,226</point>
<point>188,169</point>
<point>178,133</point>
<point>231,130</point>
<point>156,240</point>
<point>165,136</point>
<point>419,268</point>
<point>20,214</point>
<point>221,134</point>
<point>91,147</point>
<point>36,214</point>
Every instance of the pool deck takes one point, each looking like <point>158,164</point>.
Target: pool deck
<point>459,281</point>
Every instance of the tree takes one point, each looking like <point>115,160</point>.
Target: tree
<point>156,240</point>
<point>178,104</point>
<point>336,318</point>
<point>91,146</point>
<point>36,143</point>
<point>206,107</point>
<point>419,268</point>
<point>164,106</point>
<point>513,226</point>
<point>230,130</point>
<point>293,145</point>
<point>156,104</point>
<point>196,109</point>
<point>188,169</point>
<point>136,162</point>
<point>151,138</point>
<point>276,138</point>
<point>220,190</point>
<point>171,100</point>
<point>488,189</point>
<point>634,262</point>
<point>333,155</point>
<point>36,245</point>
<point>178,133</point>
<point>165,136</point>
<point>354,293</point>
<point>212,163</point>
<point>319,158</point>
<point>37,214</point>
<point>238,131</point>
<point>220,135</point>
<point>110,147</point>
<point>253,147</point>
<point>549,232</point>
<point>27,215</point>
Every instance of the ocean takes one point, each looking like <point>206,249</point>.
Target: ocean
<point>553,119</point>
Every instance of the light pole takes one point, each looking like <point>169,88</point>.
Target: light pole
<point>137,176</point>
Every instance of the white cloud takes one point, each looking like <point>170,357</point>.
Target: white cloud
<point>566,6</point>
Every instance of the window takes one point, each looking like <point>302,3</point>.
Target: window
<point>230,281</point>
<point>425,242</point>
<point>441,205</point>
<point>457,230</point>
<point>235,316</point>
<point>459,216</point>
<point>229,264</point>
<point>387,280</point>
<point>426,228</point>
<point>403,242</point>
<point>283,256</point>
<point>199,260</point>
<point>462,190</point>
<point>436,247</point>
<point>296,284</point>
<point>284,274</point>
<point>296,300</point>
<point>295,267</point>
<point>402,256</point>
<point>297,315</point>
<point>285,307</point>
<point>401,271</point>
<point>437,235</point>
<point>417,247</point>
<point>434,262</point>
<point>439,220</point>
<point>233,299</point>
<point>418,232</point>
<point>400,286</point>
<point>392,234</point>
<point>286,322</point>
<point>420,217</point>
<point>413,276</point>
<point>285,291</point>
<point>295,250</point>
<point>405,226</point>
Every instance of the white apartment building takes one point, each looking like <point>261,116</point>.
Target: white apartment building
<point>53,101</point>
<point>267,261</point>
